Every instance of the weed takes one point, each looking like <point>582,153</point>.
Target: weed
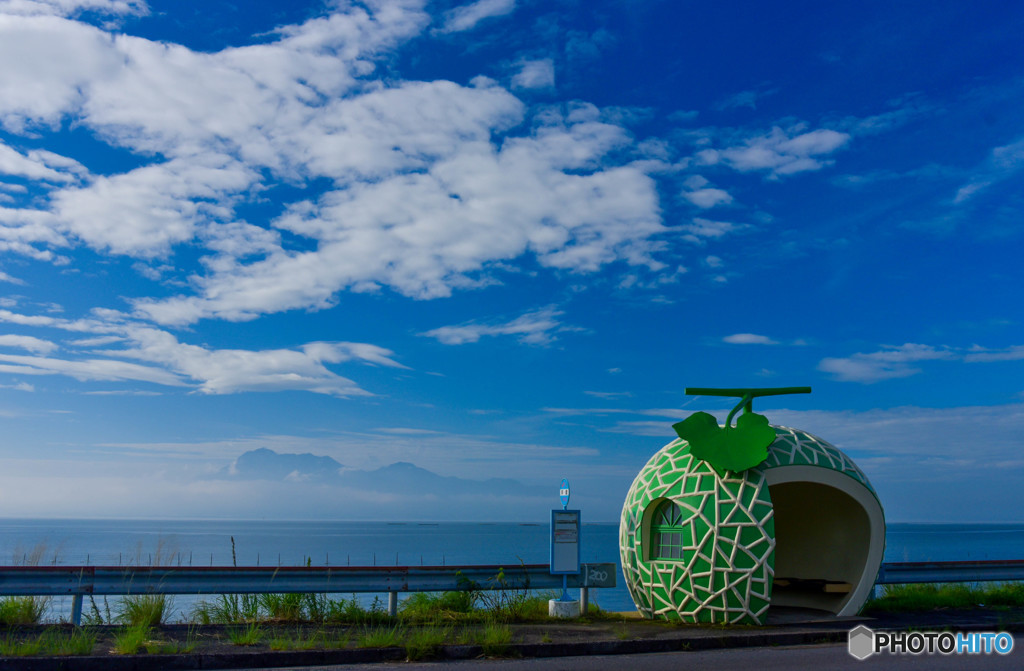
<point>78,642</point>
<point>424,642</point>
<point>228,609</point>
<point>249,635</point>
<point>282,607</point>
<point>496,639</point>
<point>13,647</point>
<point>506,599</point>
<point>381,637</point>
<point>160,647</point>
<point>144,609</point>
<point>622,633</point>
<point>22,609</point>
<point>898,598</point>
<point>422,606</point>
<point>298,641</point>
<point>350,611</point>
<point>545,638</point>
<point>316,606</point>
<point>130,639</point>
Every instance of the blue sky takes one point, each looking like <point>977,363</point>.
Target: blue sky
<point>499,239</point>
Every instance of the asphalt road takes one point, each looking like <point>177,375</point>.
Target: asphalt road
<point>819,657</point>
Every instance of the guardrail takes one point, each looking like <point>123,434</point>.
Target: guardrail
<point>895,573</point>
<point>78,581</point>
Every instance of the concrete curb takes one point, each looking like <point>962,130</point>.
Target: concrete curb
<point>688,640</point>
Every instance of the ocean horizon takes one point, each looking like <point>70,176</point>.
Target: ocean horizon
<point>143,542</point>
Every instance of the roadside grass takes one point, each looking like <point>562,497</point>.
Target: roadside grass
<point>26,609</point>
<point>144,609</point>
<point>426,606</point>
<point>300,639</point>
<point>493,637</point>
<point>161,647</point>
<point>929,596</point>
<point>425,641</point>
<point>381,637</point>
<point>251,634</point>
<point>22,609</point>
<point>227,609</point>
<point>129,640</point>
<point>496,639</point>
<point>52,642</point>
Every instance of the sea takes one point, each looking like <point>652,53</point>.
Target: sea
<point>71,542</point>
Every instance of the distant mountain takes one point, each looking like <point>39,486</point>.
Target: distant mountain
<point>265,464</point>
<point>401,478</point>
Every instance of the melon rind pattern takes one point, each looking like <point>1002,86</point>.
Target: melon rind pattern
<point>793,447</point>
<point>726,572</point>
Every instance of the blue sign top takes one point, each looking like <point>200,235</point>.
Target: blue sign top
<point>563,493</point>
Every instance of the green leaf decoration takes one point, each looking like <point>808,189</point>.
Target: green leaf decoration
<point>727,448</point>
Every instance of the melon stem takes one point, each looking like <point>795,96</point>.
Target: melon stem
<point>747,403</point>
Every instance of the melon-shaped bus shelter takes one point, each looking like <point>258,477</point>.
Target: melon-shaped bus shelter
<point>803,528</point>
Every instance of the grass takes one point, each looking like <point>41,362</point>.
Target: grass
<point>425,642</point>
<point>283,607</point>
<point>496,639</point>
<point>299,640</point>
<point>159,647</point>
<point>426,606</point>
<point>909,598</point>
<point>131,639</point>
<point>228,609</point>
<point>251,634</point>
<point>381,637</point>
<point>58,643</point>
<point>22,609</point>
<point>145,609</point>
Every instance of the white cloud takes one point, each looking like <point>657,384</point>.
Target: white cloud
<point>431,192</point>
<point>38,165</point>
<point>708,198</point>
<point>609,395</point>
<point>87,369</point>
<point>533,328</point>
<point>29,343</point>
<point>780,151</point>
<point>749,339</point>
<point>981,354</point>
<point>145,211</point>
<point>888,363</point>
<point>538,74</point>
<point>227,371</point>
<point>428,233</point>
<point>468,16</point>
<point>4,277</point>
<point>72,7</point>
<point>167,361</point>
<point>702,229</point>
<point>1004,162</point>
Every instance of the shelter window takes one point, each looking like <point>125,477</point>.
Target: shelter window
<point>667,531</point>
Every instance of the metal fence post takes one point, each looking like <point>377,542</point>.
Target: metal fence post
<point>392,604</point>
<point>76,610</point>
<point>584,600</point>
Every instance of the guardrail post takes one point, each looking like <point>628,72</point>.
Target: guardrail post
<point>76,610</point>
<point>584,600</point>
<point>392,604</point>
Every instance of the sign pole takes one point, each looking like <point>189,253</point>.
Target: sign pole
<point>563,492</point>
<point>565,552</point>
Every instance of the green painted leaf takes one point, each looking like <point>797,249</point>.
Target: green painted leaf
<point>727,448</point>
